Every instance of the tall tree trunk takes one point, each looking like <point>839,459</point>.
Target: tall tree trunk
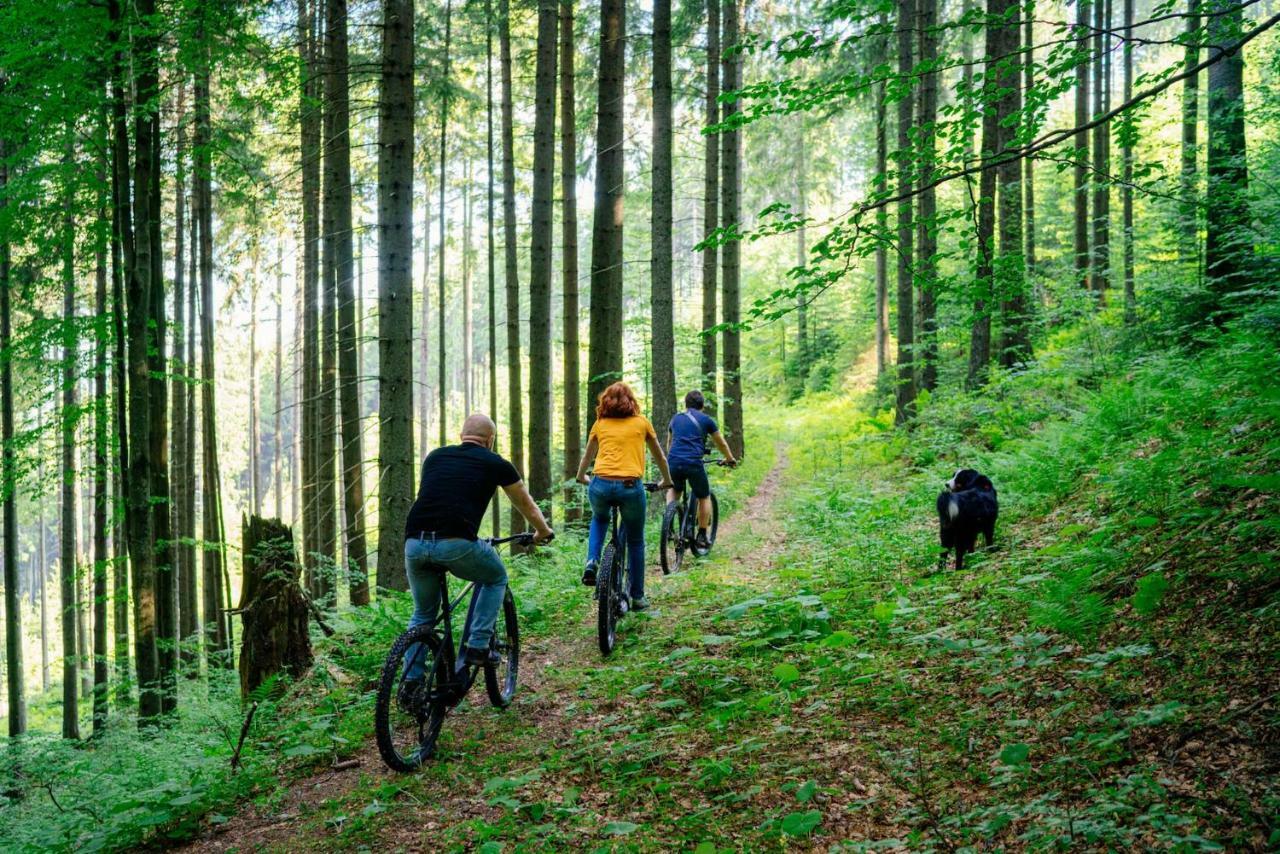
<point>326,474</point>
<point>311,129</point>
<point>569,263</point>
<point>468,295</point>
<point>511,276</point>
<point>926,225</point>
<point>985,227</point>
<point>711,202</point>
<point>189,604</point>
<point>802,255</point>
<point>662,336</point>
<point>101,497</point>
<point>1130,296</point>
<point>277,445</point>
<point>491,242</point>
<point>541,247</point>
<point>441,360</point>
<point>8,486</point>
<point>1015,340</point>
<point>395,290</point>
<point>731,252</point>
<point>255,454</point>
<point>43,570</point>
<point>1101,151</point>
<point>424,391</point>
<point>67,556</point>
<point>882,212</point>
<point>1228,245</point>
<point>121,228</point>
<point>905,396</point>
<point>355,569</point>
<point>1081,173</point>
<point>1189,219</point>
<point>1029,169</point>
<point>217,642</point>
<point>178,403</point>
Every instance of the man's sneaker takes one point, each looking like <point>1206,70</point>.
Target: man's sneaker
<point>639,603</point>
<point>479,657</point>
<point>701,542</point>
<point>589,575</point>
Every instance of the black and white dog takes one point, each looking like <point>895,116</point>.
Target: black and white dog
<point>967,508</point>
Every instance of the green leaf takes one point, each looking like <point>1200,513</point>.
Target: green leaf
<point>619,828</point>
<point>705,848</point>
<point>1015,754</point>
<point>302,750</point>
<point>804,793</point>
<point>839,638</point>
<point>786,673</point>
<point>801,823</point>
<point>1146,522</point>
<point>883,611</point>
<point>1149,593</point>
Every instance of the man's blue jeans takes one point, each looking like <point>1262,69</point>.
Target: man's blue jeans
<point>604,493</point>
<point>470,560</point>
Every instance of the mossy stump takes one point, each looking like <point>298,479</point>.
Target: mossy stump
<point>273,608</point>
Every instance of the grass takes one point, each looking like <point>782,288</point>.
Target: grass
<point>1104,678</point>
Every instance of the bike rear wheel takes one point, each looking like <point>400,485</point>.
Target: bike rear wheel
<point>671,546</point>
<point>408,716</point>
<point>608,592</point>
<point>500,681</point>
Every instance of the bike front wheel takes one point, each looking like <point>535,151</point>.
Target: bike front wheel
<point>408,714</point>
<point>500,681</point>
<point>671,545</point>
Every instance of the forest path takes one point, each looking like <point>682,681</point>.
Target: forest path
<point>566,691</point>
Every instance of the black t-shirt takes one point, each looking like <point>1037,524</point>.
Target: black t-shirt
<point>458,482</point>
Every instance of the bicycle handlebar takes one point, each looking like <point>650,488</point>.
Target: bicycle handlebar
<point>521,539</point>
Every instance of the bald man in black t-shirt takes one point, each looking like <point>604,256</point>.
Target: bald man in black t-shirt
<point>458,483</point>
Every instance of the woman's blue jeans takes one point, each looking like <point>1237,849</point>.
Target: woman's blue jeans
<point>603,494</point>
<point>470,560</point>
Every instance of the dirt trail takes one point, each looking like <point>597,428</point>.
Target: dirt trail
<point>750,537</point>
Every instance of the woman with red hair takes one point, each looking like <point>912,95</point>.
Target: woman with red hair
<point>616,443</point>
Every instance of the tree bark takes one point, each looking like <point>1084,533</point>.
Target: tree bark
<point>984,278</point>
<point>731,252</point>
<point>541,248</point>
<point>8,486</point>
<point>1130,296</point>
<point>882,212</point>
<point>491,245</point>
<point>189,597</point>
<point>511,275</point>
<point>67,555</point>
<point>802,256</point>
<point>605,358</point>
<point>355,570</point>
<point>1029,168</point>
<point>101,498</point>
<point>1015,341</point>
<point>217,643</point>
<point>926,225</point>
<point>662,335</point>
<point>272,606</point>
<point>442,165</point>
<point>1189,219</point>
<point>1101,271</point>
<point>905,393</point>
<point>1081,172</point>
<point>569,264</point>
<point>395,290</point>
<point>711,204</point>
<point>1228,246</point>
<point>311,128</point>
<point>121,249</point>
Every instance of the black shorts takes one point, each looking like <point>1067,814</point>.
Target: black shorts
<point>696,476</point>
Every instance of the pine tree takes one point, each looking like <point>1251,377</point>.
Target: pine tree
<point>662,335</point>
<point>711,199</point>
<point>731,252</point>
<point>569,261</point>
<point>905,396</point>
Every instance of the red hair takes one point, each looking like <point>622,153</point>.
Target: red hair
<point>617,401</point>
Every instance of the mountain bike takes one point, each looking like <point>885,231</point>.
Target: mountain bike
<point>679,527</point>
<point>408,715</point>
<point>613,580</point>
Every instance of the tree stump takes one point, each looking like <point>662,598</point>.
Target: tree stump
<point>273,608</point>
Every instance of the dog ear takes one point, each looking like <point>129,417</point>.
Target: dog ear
<point>984,482</point>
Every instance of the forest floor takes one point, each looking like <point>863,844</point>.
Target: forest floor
<point>569,703</point>
<point>1104,678</point>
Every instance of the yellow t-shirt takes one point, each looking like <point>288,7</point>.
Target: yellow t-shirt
<point>621,441</point>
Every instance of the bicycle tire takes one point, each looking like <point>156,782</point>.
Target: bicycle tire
<point>670,548</point>
<point>500,684</point>
<point>715,520</point>
<point>422,720</point>
<point>607,617</point>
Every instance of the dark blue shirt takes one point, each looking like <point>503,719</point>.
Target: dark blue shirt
<point>689,436</point>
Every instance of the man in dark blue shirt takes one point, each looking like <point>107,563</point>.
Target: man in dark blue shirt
<point>686,446</point>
